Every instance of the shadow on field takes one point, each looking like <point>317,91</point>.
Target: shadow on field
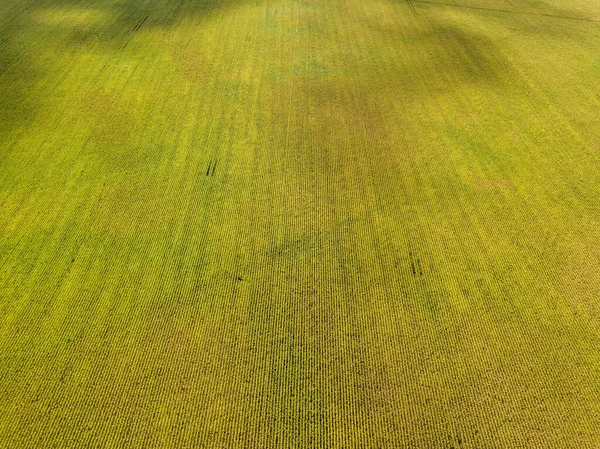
<point>378,111</point>
<point>455,54</point>
<point>434,52</point>
<point>116,22</point>
<point>27,27</point>
<point>17,77</point>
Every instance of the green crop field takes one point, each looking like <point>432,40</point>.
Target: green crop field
<point>300,224</point>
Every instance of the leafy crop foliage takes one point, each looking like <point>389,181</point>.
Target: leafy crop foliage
<point>299,223</point>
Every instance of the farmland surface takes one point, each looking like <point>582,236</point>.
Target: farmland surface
<point>300,224</point>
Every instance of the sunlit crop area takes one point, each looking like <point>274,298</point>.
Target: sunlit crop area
<point>300,224</point>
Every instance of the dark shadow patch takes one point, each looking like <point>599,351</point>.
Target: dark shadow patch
<point>18,76</point>
<point>453,54</point>
<point>131,17</point>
